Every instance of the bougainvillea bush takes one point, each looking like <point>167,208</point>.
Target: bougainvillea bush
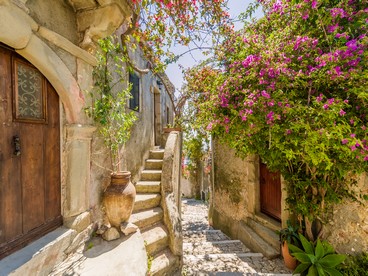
<point>293,88</point>
<point>160,25</point>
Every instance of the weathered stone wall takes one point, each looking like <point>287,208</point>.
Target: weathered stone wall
<point>348,230</point>
<point>230,196</point>
<point>58,16</point>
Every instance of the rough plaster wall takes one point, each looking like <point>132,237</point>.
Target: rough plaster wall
<point>348,231</point>
<point>141,139</point>
<point>230,184</point>
<point>57,16</point>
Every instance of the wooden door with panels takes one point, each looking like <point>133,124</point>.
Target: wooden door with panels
<point>270,192</point>
<point>30,198</point>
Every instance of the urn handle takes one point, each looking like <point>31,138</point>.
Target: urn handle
<point>16,143</point>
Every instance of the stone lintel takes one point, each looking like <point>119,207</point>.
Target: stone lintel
<point>67,45</point>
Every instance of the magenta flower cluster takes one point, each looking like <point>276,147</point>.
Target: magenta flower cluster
<point>285,79</point>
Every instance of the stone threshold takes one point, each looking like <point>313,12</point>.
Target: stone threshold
<point>39,256</point>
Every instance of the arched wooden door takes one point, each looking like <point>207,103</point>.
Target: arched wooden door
<point>270,192</point>
<point>29,154</point>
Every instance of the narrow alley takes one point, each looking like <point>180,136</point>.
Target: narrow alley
<point>210,252</point>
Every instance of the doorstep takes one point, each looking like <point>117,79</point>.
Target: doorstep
<point>40,256</point>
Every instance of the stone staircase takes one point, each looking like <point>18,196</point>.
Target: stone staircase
<point>207,251</point>
<point>260,236</point>
<point>148,216</point>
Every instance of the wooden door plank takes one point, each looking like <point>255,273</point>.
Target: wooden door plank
<point>270,190</point>
<point>10,184</point>
<point>52,157</point>
<point>31,137</point>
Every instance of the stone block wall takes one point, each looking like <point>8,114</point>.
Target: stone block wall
<point>348,229</point>
<point>230,196</point>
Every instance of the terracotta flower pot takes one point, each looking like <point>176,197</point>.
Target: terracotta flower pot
<point>119,198</point>
<point>290,261</point>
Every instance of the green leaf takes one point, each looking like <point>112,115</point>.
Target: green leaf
<point>312,271</point>
<point>319,251</point>
<point>294,249</point>
<point>320,270</point>
<point>332,271</point>
<point>308,247</point>
<point>332,260</point>
<point>303,258</point>
<point>301,268</point>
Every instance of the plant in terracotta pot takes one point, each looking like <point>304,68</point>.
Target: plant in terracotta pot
<point>114,122</point>
<point>316,258</point>
<point>289,235</point>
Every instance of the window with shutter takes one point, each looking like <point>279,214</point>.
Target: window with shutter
<point>134,101</point>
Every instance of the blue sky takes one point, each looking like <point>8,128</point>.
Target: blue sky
<point>175,73</point>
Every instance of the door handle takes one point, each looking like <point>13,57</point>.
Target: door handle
<point>16,143</point>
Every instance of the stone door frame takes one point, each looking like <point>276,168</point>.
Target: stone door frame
<point>254,203</point>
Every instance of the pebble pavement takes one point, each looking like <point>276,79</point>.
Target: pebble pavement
<point>210,252</point>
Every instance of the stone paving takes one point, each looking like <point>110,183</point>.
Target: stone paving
<point>210,252</point>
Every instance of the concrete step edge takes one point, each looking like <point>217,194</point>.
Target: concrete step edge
<point>164,262</point>
<point>255,243</point>
<point>223,242</point>
<point>148,186</point>
<point>146,201</point>
<point>266,233</point>
<point>156,238</point>
<point>224,255</point>
<point>147,218</point>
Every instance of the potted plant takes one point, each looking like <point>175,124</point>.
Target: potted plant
<point>316,258</point>
<point>114,123</point>
<point>289,235</point>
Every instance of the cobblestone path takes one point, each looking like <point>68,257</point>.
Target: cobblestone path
<point>211,252</point>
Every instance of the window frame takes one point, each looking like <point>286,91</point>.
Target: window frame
<point>134,79</point>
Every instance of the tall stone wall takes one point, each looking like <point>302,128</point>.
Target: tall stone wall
<point>230,196</point>
<point>348,229</point>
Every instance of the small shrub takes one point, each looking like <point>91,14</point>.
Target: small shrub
<point>316,258</point>
<point>355,265</point>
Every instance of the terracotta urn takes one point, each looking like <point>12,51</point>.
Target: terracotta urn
<point>290,261</point>
<point>119,198</point>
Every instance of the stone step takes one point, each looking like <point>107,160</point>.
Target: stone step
<point>147,218</point>
<point>153,164</point>
<point>156,154</point>
<point>148,187</point>
<point>205,235</point>
<point>269,235</point>
<point>214,247</point>
<point>156,238</point>
<point>164,263</point>
<point>255,242</point>
<point>146,201</point>
<point>151,175</point>
<point>222,256</point>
